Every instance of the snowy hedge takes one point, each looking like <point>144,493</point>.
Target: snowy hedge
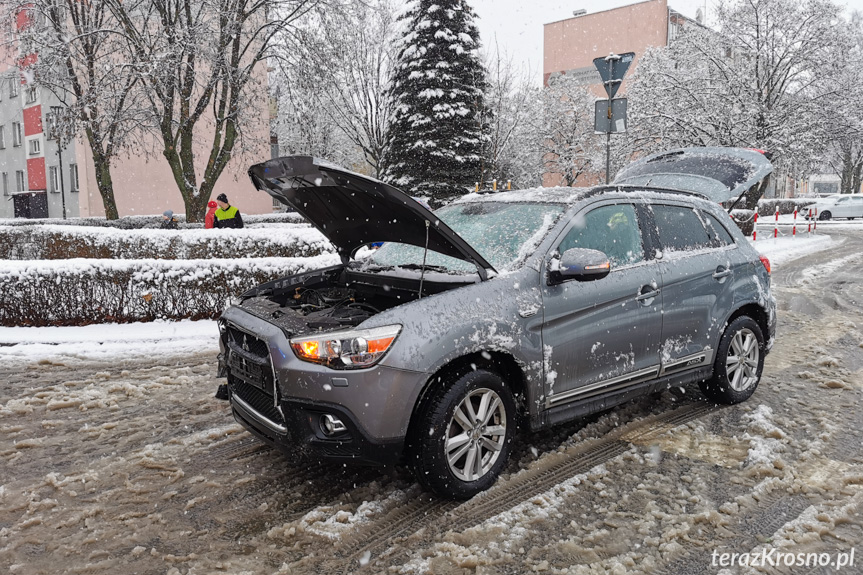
<point>80,292</point>
<point>745,220</point>
<point>149,221</point>
<point>767,207</point>
<point>52,242</point>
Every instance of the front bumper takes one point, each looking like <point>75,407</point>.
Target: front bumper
<point>283,400</point>
<point>295,429</point>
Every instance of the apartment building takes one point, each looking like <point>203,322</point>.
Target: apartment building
<point>36,182</point>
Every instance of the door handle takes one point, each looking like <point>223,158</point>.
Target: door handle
<point>721,273</point>
<point>652,292</point>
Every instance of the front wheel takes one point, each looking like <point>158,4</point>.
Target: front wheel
<point>825,216</point>
<point>739,363</point>
<point>465,436</point>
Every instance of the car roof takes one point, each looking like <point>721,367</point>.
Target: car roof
<point>568,196</point>
<point>551,195</point>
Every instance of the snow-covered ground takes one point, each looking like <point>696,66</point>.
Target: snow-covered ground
<point>108,341</point>
<point>786,248</point>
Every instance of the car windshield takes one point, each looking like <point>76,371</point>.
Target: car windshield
<point>503,233</point>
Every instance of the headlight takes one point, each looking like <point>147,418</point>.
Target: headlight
<point>350,349</point>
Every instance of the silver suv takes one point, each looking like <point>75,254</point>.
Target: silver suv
<point>498,311</point>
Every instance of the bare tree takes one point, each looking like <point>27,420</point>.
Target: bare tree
<point>569,146</point>
<point>78,56</point>
<point>347,51</point>
<point>509,104</point>
<point>199,63</point>
<point>843,114</point>
<point>304,123</point>
<point>762,81</point>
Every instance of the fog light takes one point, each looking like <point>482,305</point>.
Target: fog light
<point>331,425</point>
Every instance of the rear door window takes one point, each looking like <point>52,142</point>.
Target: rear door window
<point>680,229</point>
<point>718,233</point>
<point>612,230</point>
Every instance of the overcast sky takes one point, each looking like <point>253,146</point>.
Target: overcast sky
<point>517,25</point>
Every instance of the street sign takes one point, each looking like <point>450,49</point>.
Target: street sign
<point>610,119</point>
<point>612,68</point>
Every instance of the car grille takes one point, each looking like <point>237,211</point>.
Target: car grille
<point>253,371</point>
<point>251,375</point>
<point>241,340</point>
<point>260,402</point>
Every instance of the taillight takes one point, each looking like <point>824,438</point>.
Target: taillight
<point>766,263</point>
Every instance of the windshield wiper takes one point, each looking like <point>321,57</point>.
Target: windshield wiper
<point>427,266</point>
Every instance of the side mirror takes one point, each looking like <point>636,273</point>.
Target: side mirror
<point>579,264</point>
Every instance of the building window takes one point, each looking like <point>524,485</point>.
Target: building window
<point>5,183</point>
<point>16,133</point>
<point>54,179</point>
<point>2,137</point>
<point>13,86</point>
<point>73,177</point>
<point>31,95</point>
<point>35,146</point>
<point>20,184</point>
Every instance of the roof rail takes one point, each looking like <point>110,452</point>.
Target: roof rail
<point>633,188</point>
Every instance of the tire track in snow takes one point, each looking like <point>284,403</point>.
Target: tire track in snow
<point>434,517</point>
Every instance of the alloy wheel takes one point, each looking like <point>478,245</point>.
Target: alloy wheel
<point>476,434</point>
<point>741,363</point>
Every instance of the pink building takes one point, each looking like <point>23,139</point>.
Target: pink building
<point>569,46</point>
<point>34,185</point>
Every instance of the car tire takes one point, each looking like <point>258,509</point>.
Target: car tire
<point>464,437</point>
<point>825,215</point>
<point>739,363</point>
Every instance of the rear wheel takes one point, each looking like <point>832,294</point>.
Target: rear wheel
<point>825,216</point>
<point>739,362</point>
<point>465,436</point>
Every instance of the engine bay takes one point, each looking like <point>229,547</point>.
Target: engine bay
<point>331,307</point>
<point>332,299</point>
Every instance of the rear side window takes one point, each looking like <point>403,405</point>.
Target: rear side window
<point>719,234</point>
<point>612,230</point>
<point>680,229</point>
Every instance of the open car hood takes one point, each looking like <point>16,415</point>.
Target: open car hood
<point>721,174</point>
<point>353,210</point>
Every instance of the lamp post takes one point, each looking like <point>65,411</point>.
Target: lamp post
<point>57,137</point>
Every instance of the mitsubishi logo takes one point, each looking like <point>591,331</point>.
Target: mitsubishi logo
<point>245,342</point>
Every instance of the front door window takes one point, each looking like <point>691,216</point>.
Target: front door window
<point>612,230</point>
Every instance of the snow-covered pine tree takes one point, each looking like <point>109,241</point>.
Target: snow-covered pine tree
<point>437,135</point>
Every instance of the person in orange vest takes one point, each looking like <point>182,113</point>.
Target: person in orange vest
<point>227,216</point>
<point>210,218</point>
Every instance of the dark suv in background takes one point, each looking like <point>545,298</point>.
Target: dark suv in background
<point>525,308</point>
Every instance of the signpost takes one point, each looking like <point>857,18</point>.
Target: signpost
<point>614,122</point>
<point>611,69</point>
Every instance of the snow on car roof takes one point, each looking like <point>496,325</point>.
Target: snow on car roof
<point>563,195</point>
<point>553,195</point>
